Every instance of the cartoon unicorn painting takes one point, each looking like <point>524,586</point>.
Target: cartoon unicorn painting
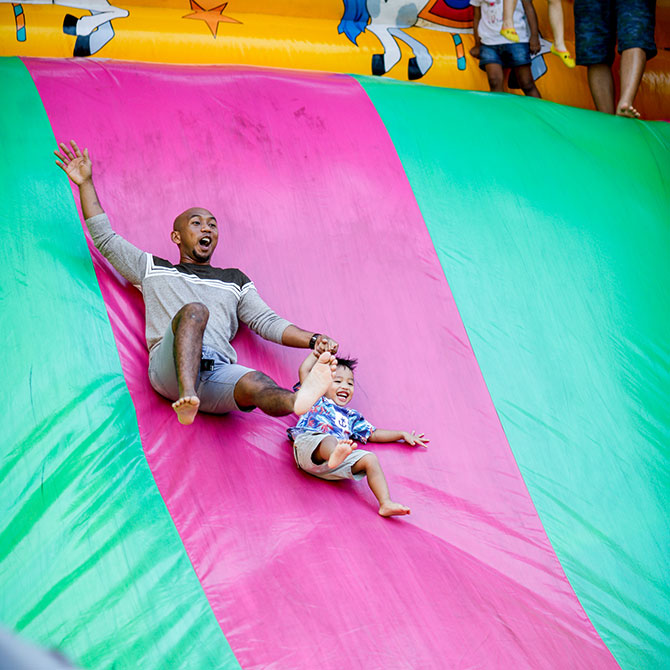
<point>92,32</point>
<point>388,20</point>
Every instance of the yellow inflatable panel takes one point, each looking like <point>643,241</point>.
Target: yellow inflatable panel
<point>430,44</point>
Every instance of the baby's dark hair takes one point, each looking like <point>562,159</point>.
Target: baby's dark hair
<point>350,363</point>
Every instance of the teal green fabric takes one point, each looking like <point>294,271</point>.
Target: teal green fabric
<point>552,225</point>
<point>90,561</point>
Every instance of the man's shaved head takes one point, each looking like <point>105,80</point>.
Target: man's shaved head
<point>186,215</point>
<point>196,233</point>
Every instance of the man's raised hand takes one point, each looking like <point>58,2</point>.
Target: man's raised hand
<point>77,166</point>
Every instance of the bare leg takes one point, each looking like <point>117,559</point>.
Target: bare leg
<point>494,72</point>
<point>601,84</point>
<point>256,389</point>
<point>524,76</point>
<point>558,48</point>
<point>377,483</point>
<point>332,450</point>
<point>508,13</point>
<point>188,326</point>
<point>633,62</point>
<point>508,29</point>
<point>555,11</point>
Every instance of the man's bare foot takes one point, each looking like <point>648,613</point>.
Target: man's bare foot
<point>341,451</point>
<point>316,383</point>
<point>624,109</point>
<point>186,408</point>
<point>392,509</point>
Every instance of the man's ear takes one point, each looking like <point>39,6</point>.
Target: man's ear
<point>175,237</point>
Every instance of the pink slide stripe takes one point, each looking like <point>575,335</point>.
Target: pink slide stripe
<point>314,205</point>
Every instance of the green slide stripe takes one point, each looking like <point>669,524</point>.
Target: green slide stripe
<point>552,225</point>
<point>90,561</point>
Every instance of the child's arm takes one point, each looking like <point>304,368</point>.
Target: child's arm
<point>412,438</point>
<point>307,365</point>
<point>532,24</point>
<point>474,52</point>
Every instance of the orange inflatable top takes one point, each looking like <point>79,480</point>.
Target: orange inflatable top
<point>430,44</point>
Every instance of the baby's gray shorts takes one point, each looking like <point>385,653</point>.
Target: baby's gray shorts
<point>306,444</point>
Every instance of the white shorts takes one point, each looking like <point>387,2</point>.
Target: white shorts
<point>306,444</point>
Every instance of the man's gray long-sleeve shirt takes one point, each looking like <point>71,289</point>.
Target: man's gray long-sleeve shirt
<point>229,294</point>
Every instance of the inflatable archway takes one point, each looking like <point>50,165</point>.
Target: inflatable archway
<point>512,305</point>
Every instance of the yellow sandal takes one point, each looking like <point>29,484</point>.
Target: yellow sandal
<point>565,56</point>
<point>510,34</point>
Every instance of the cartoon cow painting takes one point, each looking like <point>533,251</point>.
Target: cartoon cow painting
<point>92,32</point>
<point>388,20</point>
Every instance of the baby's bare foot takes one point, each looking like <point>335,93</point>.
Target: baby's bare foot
<point>341,451</point>
<point>316,383</point>
<point>186,408</point>
<point>392,509</point>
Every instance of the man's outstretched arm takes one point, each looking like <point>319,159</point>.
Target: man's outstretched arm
<point>78,167</point>
<point>256,313</point>
<point>297,337</point>
<point>124,256</point>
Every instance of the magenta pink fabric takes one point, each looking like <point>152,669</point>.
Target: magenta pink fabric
<point>315,207</point>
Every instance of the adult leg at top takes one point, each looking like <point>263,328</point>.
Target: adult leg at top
<point>188,326</point>
<point>555,11</point>
<point>508,29</point>
<point>595,40</point>
<point>601,83</point>
<point>556,21</point>
<point>633,62</point>
<point>635,23</point>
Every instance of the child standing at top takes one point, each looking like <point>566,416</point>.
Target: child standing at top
<point>555,11</point>
<point>323,442</point>
<point>495,52</point>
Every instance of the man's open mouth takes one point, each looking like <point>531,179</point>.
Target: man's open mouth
<point>205,242</point>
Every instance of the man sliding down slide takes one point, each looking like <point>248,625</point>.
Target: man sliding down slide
<point>193,312</point>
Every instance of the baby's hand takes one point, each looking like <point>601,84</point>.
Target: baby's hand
<point>474,52</point>
<point>415,440</point>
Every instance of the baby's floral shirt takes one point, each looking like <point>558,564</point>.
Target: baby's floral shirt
<point>327,417</point>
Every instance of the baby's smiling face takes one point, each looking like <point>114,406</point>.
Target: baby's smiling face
<point>341,390</point>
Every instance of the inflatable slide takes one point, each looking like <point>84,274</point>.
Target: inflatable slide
<point>498,265</point>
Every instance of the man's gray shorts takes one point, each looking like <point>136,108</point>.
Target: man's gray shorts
<point>306,444</point>
<point>214,387</point>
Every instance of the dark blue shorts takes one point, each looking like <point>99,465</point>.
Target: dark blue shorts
<point>602,24</point>
<point>512,54</point>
